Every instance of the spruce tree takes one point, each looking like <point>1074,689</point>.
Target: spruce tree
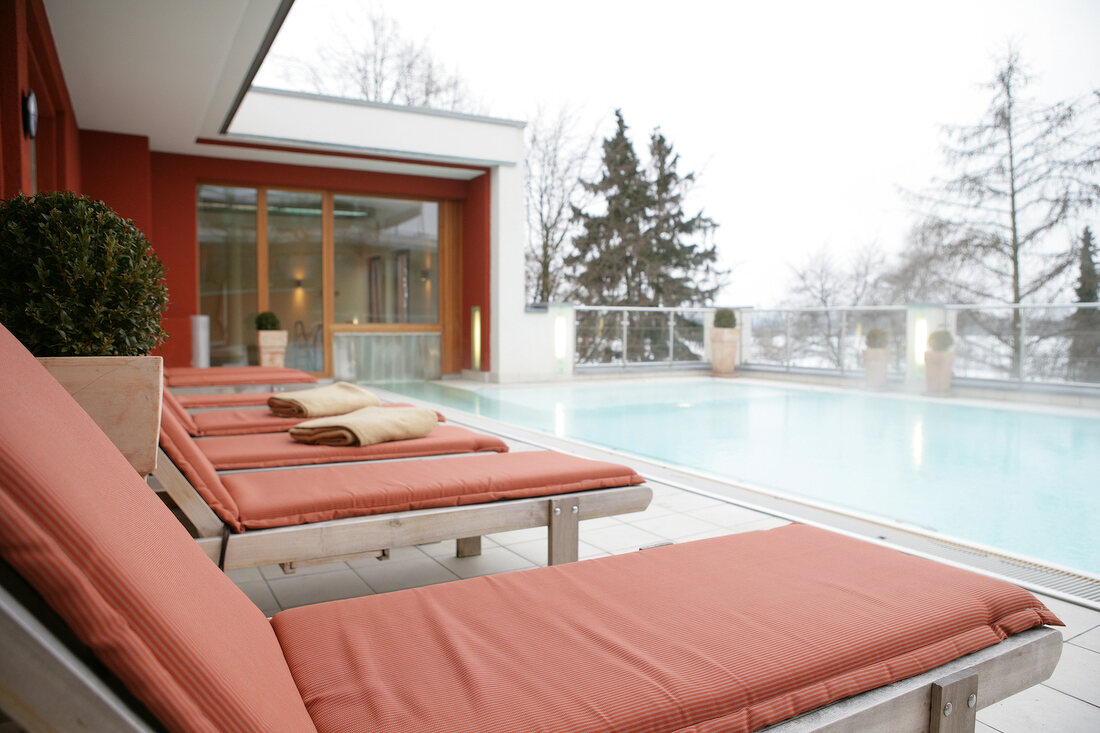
<point>642,250</point>
<point>607,254</point>
<point>680,271</point>
<point>1085,346</point>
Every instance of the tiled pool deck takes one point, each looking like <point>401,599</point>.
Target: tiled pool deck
<point>1069,702</point>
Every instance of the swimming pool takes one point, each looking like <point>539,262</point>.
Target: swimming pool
<point>1024,481</point>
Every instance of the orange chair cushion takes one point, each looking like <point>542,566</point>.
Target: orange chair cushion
<point>218,399</point>
<point>729,634</point>
<point>233,376</point>
<point>85,530</point>
<point>268,451</point>
<point>180,447</point>
<point>247,422</point>
<point>303,495</point>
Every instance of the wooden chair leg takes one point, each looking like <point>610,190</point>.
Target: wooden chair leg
<point>468,546</point>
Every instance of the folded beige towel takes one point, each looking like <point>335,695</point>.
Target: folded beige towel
<point>332,399</point>
<point>367,426</point>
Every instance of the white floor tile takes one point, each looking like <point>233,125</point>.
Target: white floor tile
<point>291,591</point>
<point>535,551</point>
<point>727,515</point>
<point>245,575</point>
<point>491,560</point>
<point>391,576</point>
<point>1041,709</point>
<point>675,526</point>
<point>1078,674</point>
<point>1089,640</point>
<point>274,572</point>
<point>258,592</point>
<point>617,539</point>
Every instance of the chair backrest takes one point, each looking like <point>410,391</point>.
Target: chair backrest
<point>79,524</point>
<point>174,406</point>
<point>178,445</point>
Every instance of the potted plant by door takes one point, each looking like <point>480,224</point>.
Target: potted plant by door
<point>876,358</point>
<point>82,289</point>
<point>725,336</point>
<point>270,339</point>
<point>939,361</point>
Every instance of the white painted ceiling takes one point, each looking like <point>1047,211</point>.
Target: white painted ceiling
<point>172,70</point>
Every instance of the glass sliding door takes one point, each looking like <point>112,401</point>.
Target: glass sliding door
<point>386,261</point>
<point>295,278</point>
<point>227,270</point>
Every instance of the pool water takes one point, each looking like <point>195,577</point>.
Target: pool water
<point>1024,481</point>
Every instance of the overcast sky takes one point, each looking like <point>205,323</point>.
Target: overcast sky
<point>802,120</point>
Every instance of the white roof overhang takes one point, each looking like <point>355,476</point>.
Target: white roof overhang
<point>180,74</point>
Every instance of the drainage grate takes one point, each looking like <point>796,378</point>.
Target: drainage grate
<point>1084,589</point>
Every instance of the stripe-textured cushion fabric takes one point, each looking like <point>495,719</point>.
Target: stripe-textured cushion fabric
<point>729,634</point>
<point>219,399</point>
<point>274,450</point>
<point>298,496</point>
<point>233,376</point>
<point>179,446</point>
<point>82,527</point>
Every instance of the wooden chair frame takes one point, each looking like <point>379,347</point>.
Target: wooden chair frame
<point>341,539</point>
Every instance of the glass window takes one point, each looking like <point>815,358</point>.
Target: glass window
<point>227,270</point>
<point>387,260</point>
<point>294,278</point>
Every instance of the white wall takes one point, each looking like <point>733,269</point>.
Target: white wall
<point>522,344</point>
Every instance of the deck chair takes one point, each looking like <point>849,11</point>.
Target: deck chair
<point>237,421</point>
<point>330,511</point>
<point>270,450</point>
<point>234,378</point>
<point>733,634</point>
<point>221,400</point>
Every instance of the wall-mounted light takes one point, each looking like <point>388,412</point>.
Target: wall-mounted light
<point>30,114</point>
<point>425,275</point>
<point>298,283</point>
<point>920,340</point>
<point>475,337</point>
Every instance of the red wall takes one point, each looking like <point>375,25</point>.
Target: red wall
<point>116,169</point>
<point>475,268</point>
<point>28,61</point>
<point>174,179</point>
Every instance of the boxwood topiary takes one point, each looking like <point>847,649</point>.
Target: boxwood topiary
<point>940,340</point>
<point>76,279</point>
<point>725,318</point>
<point>877,338</point>
<point>267,321</point>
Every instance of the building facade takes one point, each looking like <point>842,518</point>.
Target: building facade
<point>388,240</point>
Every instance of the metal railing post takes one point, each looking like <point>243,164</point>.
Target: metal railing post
<point>787,341</point>
<point>843,338</point>
<point>1023,343</point>
<point>671,335</point>
<point>625,315</point>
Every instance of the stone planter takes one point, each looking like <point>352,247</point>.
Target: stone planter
<point>723,350</point>
<point>272,347</point>
<point>875,367</point>
<point>938,366</point>
<point>122,394</point>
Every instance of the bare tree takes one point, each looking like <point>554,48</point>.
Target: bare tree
<point>820,281</point>
<point>1022,171</point>
<point>555,159</point>
<point>368,57</point>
